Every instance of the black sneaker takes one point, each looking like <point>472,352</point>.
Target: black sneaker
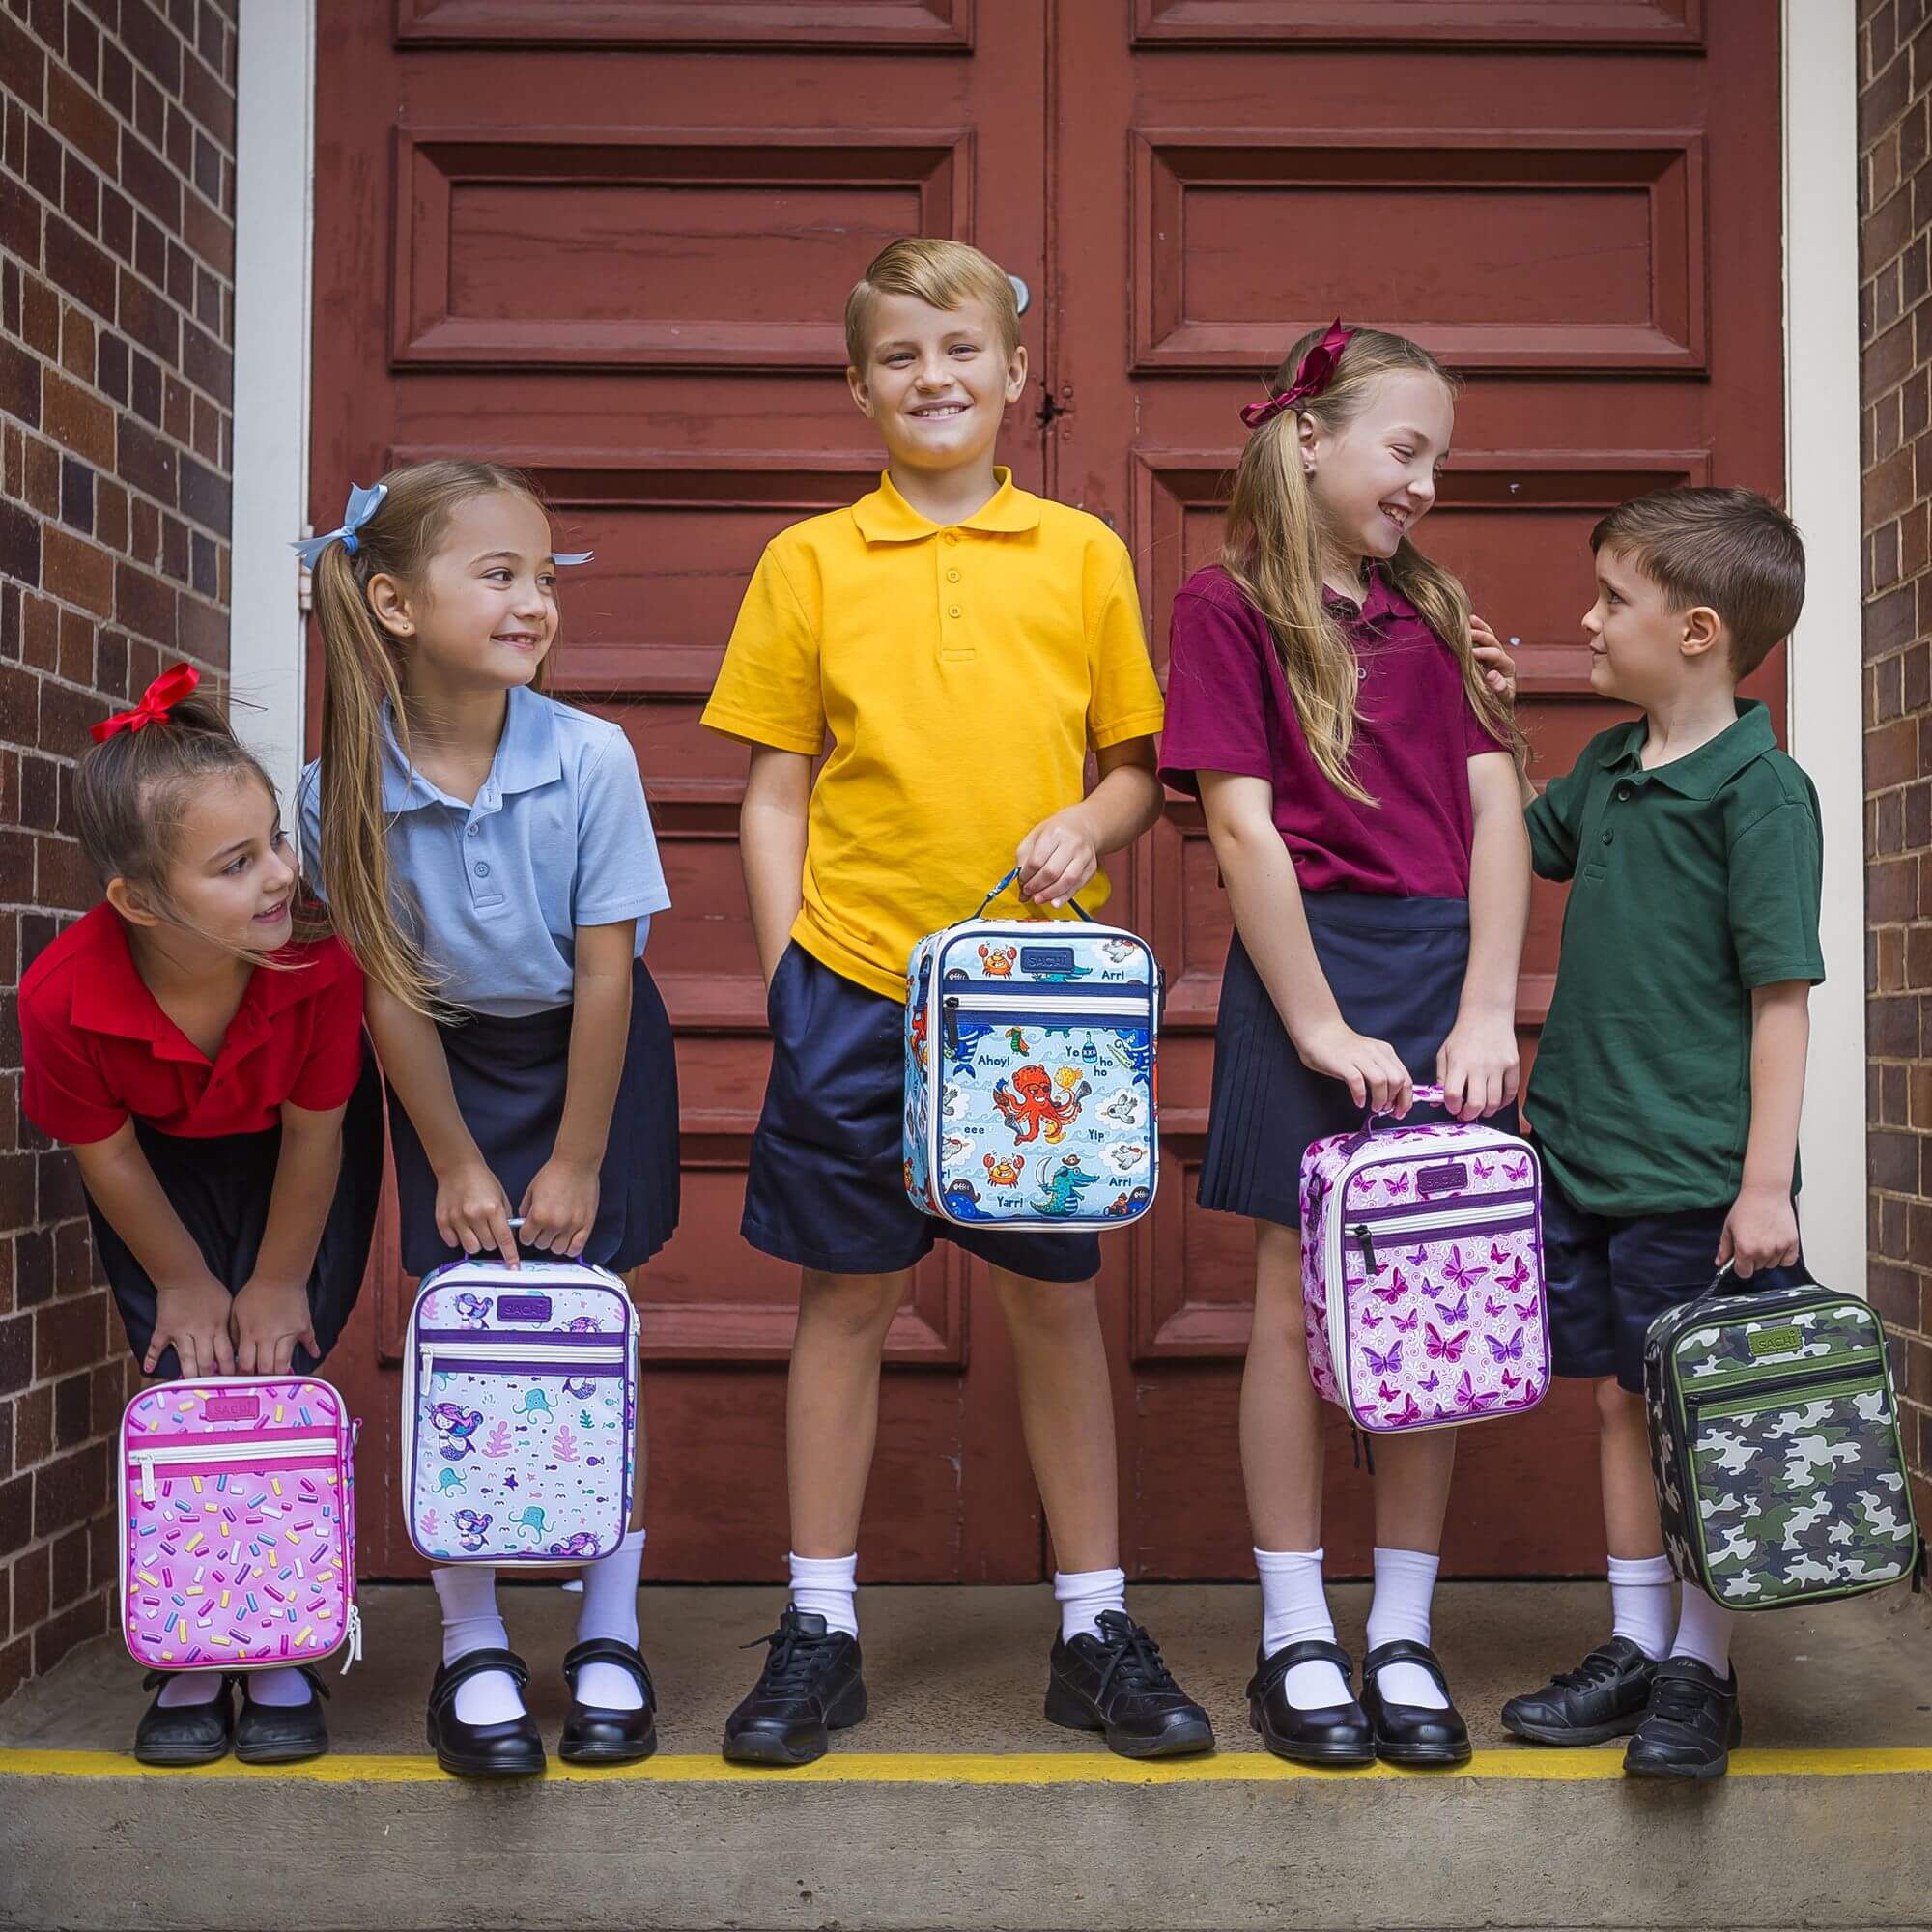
<point>1606,1697</point>
<point>1116,1683</point>
<point>809,1686</point>
<point>1692,1726</point>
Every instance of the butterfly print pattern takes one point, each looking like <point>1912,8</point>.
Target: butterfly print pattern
<point>1422,1275</point>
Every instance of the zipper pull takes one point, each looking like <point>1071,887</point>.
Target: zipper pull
<point>951,1004</point>
<point>352,1650</point>
<point>147,1463</point>
<point>1367,1242</point>
<point>428,1358</point>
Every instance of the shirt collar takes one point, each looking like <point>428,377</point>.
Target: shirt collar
<point>1705,771</point>
<point>884,516</point>
<point>110,996</point>
<point>1380,599</point>
<point>527,757</point>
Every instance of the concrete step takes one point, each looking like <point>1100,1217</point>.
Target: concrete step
<point>957,1806</point>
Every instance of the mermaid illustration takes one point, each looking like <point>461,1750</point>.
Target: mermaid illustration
<point>474,1309</point>
<point>580,1546</point>
<point>581,1386</point>
<point>454,1426</point>
<point>470,1528</point>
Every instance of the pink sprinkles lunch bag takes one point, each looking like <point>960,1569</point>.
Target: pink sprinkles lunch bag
<point>1422,1273</point>
<point>238,1524</point>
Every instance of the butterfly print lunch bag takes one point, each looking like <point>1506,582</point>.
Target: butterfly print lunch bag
<point>1774,1441</point>
<point>520,1397</point>
<point>1422,1273</point>
<point>238,1524</point>
<point>1029,1074</point>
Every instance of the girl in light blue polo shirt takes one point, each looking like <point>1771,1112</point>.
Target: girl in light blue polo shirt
<point>487,855</point>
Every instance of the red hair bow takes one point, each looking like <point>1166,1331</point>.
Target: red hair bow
<point>156,701</point>
<point>1315,372</point>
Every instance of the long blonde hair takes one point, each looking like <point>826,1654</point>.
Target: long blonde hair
<point>1273,550</point>
<point>362,674</point>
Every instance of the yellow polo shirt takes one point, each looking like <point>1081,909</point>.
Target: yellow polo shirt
<point>961,675</point>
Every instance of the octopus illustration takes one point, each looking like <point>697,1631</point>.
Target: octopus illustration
<point>535,1403</point>
<point>454,1426</point>
<point>531,1519</point>
<point>1030,1106</point>
<point>472,1528</point>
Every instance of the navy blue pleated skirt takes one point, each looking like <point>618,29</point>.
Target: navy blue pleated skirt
<point>220,1184</point>
<point>1396,968</point>
<point>509,1076</point>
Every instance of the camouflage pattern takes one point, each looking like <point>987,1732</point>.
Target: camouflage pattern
<point>1773,1439</point>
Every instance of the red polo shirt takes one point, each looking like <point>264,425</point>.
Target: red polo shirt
<point>99,1047</point>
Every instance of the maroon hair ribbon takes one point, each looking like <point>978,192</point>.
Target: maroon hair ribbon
<point>1315,372</point>
<point>156,701</point>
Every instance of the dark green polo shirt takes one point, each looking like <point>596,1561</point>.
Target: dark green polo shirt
<point>1691,884</point>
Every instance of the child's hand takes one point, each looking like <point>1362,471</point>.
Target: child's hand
<point>194,1318</point>
<point>560,1206</point>
<point>1499,666</point>
<point>473,1212</point>
<point>1372,1068</point>
<point>1760,1232</point>
<point>269,1319</point>
<point>1479,1067</point>
<point>1058,857</point>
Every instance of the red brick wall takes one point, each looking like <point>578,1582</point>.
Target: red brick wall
<point>117,205</point>
<point>1895,327</point>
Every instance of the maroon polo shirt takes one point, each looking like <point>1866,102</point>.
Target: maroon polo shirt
<point>98,1047</point>
<point>1229,710</point>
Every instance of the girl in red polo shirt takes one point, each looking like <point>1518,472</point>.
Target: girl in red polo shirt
<point>1357,777</point>
<point>210,1072</point>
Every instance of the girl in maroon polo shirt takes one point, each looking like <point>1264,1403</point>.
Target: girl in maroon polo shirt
<point>1357,777</point>
<point>208,1070</point>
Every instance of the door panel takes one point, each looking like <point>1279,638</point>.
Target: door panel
<point>1569,210</point>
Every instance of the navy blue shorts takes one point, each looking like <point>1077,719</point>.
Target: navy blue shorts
<point>1396,969</point>
<point>1610,1278</point>
<point>827,1181</point>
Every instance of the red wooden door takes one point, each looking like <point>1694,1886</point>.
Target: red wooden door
<point>1574,203</point>
<point>612,242</point>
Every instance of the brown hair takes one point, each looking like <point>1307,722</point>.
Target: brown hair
<point>360,674</point>
<point>131,793</point>
<point>1732,550</point>
<point>943,274</point>
<point>1273,550</point>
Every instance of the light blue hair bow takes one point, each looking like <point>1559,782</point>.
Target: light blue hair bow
<point>363,505</point>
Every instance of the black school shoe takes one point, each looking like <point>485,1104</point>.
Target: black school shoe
<point>189,1733</point>
<point>1692,1726</point>
<point>593,1734</point>
<point>809,1686</point>
<point>1411,1733</point>
<point>511,1749</point>
<point>282,1733</point>
<point>1335,1734</point>
<point>1606,1697</point>
<point>1116,1683</point>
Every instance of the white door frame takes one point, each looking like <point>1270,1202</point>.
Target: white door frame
<point>273,311</point>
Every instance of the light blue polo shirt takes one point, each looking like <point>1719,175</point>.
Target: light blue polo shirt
<point>559,836</point>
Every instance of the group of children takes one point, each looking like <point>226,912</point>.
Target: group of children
<point>479,878</point>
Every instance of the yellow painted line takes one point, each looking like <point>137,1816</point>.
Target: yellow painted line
<point>1025,1768</point>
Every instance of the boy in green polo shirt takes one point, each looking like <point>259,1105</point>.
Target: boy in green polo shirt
<point>1665,1095</point>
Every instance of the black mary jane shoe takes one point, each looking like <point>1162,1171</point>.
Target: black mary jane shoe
<point>282,1733</point>
<point>512,1748</point>
<point>1412,1734</point>
<point>593,1733</point>
<point>1337,1735</point>
<point>184,1733</point>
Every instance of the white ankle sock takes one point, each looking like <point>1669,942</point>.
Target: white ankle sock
<point>277,1689</point>
<point>1704,1632</point>
<point>1082,1595</point>
<point>468,1594</point>
<point>190,1687</point>
<point>1404,1583</point>
<point>609,1608</point>
<point>824,1586</point>
<point>1295,1608</point>
<point>1640,1602</point>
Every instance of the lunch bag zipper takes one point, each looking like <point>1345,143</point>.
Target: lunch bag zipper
<point>303,1449</point>
<point>1516,1208</point>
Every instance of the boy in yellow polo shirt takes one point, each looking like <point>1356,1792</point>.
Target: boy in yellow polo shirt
<point>962,645</point>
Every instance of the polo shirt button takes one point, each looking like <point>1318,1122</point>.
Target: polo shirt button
<point>952,610</point>
<point>952,577</point>
<point>473,830</point>
<point>483,869</point>
<point>1610,838</point>
<point>1625,790</point>
<point>951,536</point>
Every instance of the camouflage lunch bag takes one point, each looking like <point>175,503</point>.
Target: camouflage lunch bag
<point>1773,1439</point>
